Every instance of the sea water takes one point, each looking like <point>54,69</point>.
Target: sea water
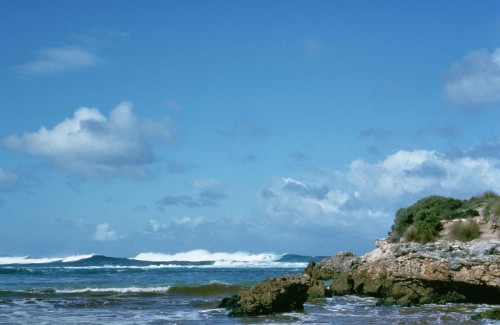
<point>182,288</point>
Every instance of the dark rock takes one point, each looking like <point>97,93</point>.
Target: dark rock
<point>316,287</point>
<point>343,285</point>
<point>275,295</point>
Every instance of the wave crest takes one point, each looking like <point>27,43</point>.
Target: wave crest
<point>201,255</point>
<point>7,260</point>
<point>116,290</point>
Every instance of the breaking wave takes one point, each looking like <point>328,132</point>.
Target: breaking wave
<point>7,260</point>
<point>201,255</point>
<point>194,258</point>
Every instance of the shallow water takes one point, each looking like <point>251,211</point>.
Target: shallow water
<point>94,289</point>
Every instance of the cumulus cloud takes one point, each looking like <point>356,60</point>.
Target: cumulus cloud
<point>364,199</point>
<point>422,172</point>
<point>95,145</point>
<point>53,60</point>
<point>299,203</point>
<point>103,233</point>
<point>474,81</point>
<point>8,180</point>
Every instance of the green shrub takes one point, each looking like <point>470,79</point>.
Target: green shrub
<point>440,206</point>
<point>425,228</point>
<point>465,230</point>
<point>421,221</point>
<point>467,213</point>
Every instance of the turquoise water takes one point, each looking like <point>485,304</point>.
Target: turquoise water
<point>178,289</point>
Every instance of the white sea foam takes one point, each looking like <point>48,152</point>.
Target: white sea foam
<point>26,260</point>
<point>117,290</point>
<point>201,255</point>
<point>258,264</point>
<point>41,260</point>
<point>132,267</point>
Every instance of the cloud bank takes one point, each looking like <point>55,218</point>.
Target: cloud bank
<point>474,81</point>
<point>95,145</point>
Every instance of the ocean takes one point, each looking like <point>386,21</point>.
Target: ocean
<point>183,288</point>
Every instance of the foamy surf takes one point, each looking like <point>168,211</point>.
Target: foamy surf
<point>116,290</point>
<point>201,255</point>
<point>42,260</point>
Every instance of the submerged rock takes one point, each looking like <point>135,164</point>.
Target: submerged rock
<point>490,314</point>
<point>283,294</point>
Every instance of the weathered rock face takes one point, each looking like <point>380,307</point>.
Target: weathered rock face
<point>274,295</point>
<point>412,273</point>
<point>397,273</point>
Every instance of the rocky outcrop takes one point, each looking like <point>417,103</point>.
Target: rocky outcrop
<point>404,273</point>
<point>274,295</point>
<point>412,273</point>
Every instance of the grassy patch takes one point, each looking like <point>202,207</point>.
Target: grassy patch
<point>465,230</point>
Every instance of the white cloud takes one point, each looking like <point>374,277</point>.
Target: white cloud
<point>188,222</point>
<point>364,199</point>
<point>8,180</point>
<point>60,59</point>
<point>299,203</point>
<point>103,233</point>
<point>422,172</point>
<point>474,81</point>
<point>155,225</point>
<point>95,145</point>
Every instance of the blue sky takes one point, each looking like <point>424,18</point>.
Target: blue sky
<point>282,126</point>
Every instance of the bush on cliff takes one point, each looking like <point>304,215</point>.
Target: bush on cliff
<point>465,230</point>
<point>425,228</point>
<point>489,202</point>
<point>421,221</point>
<point>423,215</point>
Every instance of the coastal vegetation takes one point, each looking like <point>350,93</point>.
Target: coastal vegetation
<point>465,230</point>
<point>422,221</point>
